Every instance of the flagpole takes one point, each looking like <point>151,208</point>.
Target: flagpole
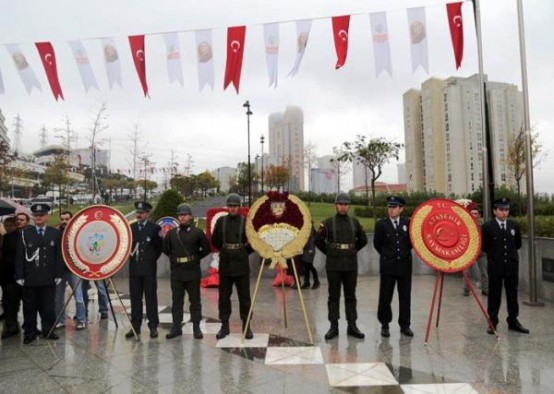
<point>486,191</point>
<point>533,293</point>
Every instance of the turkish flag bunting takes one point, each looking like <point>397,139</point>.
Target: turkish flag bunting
<point>48,57</point>
<point>340,34</point>
<point>455,21</point>
<point>137,50</point>
<point>235,51</point>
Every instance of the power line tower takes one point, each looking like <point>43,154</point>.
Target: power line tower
<point>43,138</point>
<point>18,132</point>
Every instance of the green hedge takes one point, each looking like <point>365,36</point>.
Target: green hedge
<point>167,205</point>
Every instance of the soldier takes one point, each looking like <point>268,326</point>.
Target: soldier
<point>501,240</point>
<point>143,264</point>
<point>185,245</point>
<point>229,236</point>
<point>39,267</point>
<point>340,238</point>
<point>392,241</point>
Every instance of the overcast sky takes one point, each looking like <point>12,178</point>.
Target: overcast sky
<point>211,125</point>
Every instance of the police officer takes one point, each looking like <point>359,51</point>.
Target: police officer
<point>392,241</point>
<point>185,245</point>
<point>501,240</point>
<point>39,267</point>
<point>341,237</point>
<point>143,264</point>
<point>229,236</point>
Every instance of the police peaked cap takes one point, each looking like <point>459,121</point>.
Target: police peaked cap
<point>501,203</point>
<point>395,201</point>
<point>40,209</point>
<point>143,206</point>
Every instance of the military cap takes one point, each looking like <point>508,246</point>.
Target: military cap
<point>184,209</point>
<point>342,198</point>
<point>501,203</point>
<point>40,209</point>
<point>233,199</point>
<point>143,206</point>
<point>395,201</point>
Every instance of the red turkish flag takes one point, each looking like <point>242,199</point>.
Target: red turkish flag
<point>340,34</point>
<point>235,51</point>
<point>138,53</point>
<point>455,21</point>
<point>48,58</point>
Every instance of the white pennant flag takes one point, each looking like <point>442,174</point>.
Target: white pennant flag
<point>173,55</point>
<point>205,56</point>
<point>418,38</point>
<point>113,64</point>
<point>26,73</point>
<point>83,64</point>
<point>2,91</point>
<point>271,40</point>
<point>302,34</point>
<point>381,47</point>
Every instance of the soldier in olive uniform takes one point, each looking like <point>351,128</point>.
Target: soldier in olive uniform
<point>501,240</point>
<point>392,241</point>
<point>39,267</point>
<point>143,264</point>
<point>229,236</point>
<point>185,245</point>
<point>340,238</point>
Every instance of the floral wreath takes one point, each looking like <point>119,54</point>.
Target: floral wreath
<point>278,226</point>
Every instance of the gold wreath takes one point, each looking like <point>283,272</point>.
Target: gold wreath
<point>289,250</point>
<point>430,258</point>
<point>121,254</point>
<point>76,226</point>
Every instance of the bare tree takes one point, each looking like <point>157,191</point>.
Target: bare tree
<point>339,164</point>
<point>135,150</point>
<point>310,160</point>
<point>98,125</point>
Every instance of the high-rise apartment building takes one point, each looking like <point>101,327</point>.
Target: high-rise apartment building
<point>444,136</point>
<point>286,145</point>
<point>324,177</point>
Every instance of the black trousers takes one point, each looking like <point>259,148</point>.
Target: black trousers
<point>40,299</point>
<point>495,297</point>
<point>348,280</point>
<point>386,292</point>
<point>309,268</point>
<point>147,286</point>
<point>178,288</point>
<point>242,283</point>
<point>12,294</point>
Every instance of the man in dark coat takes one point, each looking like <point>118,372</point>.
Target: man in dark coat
<point>185,245</point>
<point>143,264</point>
<point>340,238</point>
<point>501,240</point>
<point>392,241</point>
<point>229,236</point>
<point>39,267</point>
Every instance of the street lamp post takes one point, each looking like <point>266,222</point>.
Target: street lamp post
<point>262,140</point>
<point>248,113</point>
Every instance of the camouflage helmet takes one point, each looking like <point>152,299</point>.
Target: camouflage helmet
<point>233,199</point>
<point>184,209</point>
<point>342,198</point>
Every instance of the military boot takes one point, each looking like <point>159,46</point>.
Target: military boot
<point>354,331</point>
<point>197,332</point>
<point>224,330</point>
<point>333,331</point>
<point>249,334</point>
<point>175,332</point>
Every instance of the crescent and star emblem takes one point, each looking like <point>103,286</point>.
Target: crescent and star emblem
<point>140,55</point>
<point>457,20</point>
<point>343,35</point>
<point>235,45</point>
<point>48,58</point>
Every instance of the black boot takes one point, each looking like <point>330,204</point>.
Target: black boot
<point>333,331</point>
<point>197,332</point>
<point>354,331</point>
<point>316,280</point>
<point>224,330</point>
<point>249,334</point>
<point>175,332</point>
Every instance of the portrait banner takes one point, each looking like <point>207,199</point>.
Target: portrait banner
<point>302,35</point>
<point>417,26</point>
<point>96,242</point>
<point>25,71</point>
<point>112,62</point>
<point>205,57</point>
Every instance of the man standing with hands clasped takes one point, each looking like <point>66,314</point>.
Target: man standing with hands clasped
<point>39,268</point>
<point>501,240</point>
<point>392,241</point>
<point>143,265</point>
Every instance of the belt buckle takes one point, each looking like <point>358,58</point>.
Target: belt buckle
<point>344,246</point>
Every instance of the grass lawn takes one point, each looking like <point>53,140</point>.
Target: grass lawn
<point>321,211</point>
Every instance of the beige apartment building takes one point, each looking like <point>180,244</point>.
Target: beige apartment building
<point>444,136</point>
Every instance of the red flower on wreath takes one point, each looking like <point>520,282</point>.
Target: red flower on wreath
<point>278,209</point>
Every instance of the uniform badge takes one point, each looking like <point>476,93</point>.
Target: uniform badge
<point>513,232</point>
<point>147,239</point>
<point>405,228</point>
<point>52,243</point>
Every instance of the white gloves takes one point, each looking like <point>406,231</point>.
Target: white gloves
<point>58,281</point>
<point>20,282</point>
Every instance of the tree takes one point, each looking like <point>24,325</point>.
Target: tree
<point>56,175</point>
<point>276,176</point>
<point>146,184</point>
<point>186,185</point>
<point>242,177</point>
<point>516,158</point>
<point>340,164</point>
<point>206,181</point>
<point>373,155</point>
<point>98,125</point>
<point>310,160</point>
<point>167,205</point>
<point>5,158</point>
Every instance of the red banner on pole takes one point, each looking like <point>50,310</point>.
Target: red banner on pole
<point>340,34</point>
<point>235,52</point>
<point>48,58</point>
<point>455,21</point>
<point>138,53</point>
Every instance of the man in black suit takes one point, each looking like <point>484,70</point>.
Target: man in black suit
<point>143,264</point>
<point>392,241</point>
<point>38,268</point>
<point>501,240</point>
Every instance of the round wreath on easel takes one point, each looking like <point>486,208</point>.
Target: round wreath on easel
<point>278,226</point>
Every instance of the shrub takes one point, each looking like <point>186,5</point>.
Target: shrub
<point>167,205</point>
